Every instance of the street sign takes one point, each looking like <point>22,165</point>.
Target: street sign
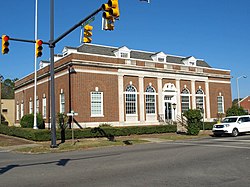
<point>88,21</point>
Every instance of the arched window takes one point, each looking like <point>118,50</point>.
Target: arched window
<point>185,100</point>
<point>199,99</point>
<point>130,100</point>
<point>150,100</point>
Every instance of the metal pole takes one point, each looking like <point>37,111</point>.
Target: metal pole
<point>238,88</point>
<point>238,91</point>
<point>52,80</point>
<point>70,117</point>
<point>1,77</point>
<point>35,76</point>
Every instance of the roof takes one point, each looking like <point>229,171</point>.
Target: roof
<point>136,54</point>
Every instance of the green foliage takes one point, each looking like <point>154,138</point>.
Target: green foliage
<point>207,125</point>
<point>235,111</point>
<point>194,121</point>
<point>45,134</point>
<point>105,125</point>
<point>8,88</point>
<point>27,121</point>
<point>62,120</point>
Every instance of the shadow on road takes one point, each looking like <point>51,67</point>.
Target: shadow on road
<point>61,162</point>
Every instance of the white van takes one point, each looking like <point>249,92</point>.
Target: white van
<point>232,125</point>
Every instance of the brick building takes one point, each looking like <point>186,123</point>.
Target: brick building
<point>121,86</point>
<point>245,103</point>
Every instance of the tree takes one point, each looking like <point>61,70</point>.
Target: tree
<point>235,111</point>
<point>194,121</point>
<point>8,86</point>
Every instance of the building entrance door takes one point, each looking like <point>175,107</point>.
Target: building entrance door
<point>168,111</point>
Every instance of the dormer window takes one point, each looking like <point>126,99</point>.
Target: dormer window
<point>189,61</point>
<point>122,52</point>
<point>123,55</point>
<point>159,57</point>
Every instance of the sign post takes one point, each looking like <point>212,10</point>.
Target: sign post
<point>72,114</point>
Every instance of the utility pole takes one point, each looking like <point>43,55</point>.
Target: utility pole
<point>52,43</point>
<point>1,78</point>
<point>52,77</point>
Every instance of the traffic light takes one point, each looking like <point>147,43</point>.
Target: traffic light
<point>5,44</point>
<point>109,24</point>
<point>87,34</point>
<point>39,48</point>
<point>111,9</point>
<point>114,10</point>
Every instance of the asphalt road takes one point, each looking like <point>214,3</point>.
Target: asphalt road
<point>212,161</point>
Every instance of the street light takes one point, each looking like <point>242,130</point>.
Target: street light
<point>238,89</point>
<point>174,107</point>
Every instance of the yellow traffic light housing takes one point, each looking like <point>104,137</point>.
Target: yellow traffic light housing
<point>87,34</point>
<point>39,48</point>
<point>111,9</point>
<point>5,44</point>
<point>114,10</point>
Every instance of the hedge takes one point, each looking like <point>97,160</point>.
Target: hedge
<point>45,134</point>
<point>207,125</point>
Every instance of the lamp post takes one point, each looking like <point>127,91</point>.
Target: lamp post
<point>174,107</point>
<point>238,89</point>
<point>1,78</point>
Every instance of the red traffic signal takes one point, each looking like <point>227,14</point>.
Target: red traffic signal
<point>39,48</point>
<point>5,44</point>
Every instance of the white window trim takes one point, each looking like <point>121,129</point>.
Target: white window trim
<point>61,102</point>
<point>30,107</point>
<point>136,107</point>
<point>17,112</point>
<point>22,110</point>
<point>96,115</point>
<point>44,108</point>
<point>189,96</point>
<point>154,94</point>
<point>223,105</point>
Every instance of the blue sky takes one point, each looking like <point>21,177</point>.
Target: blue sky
<point>217,31</point>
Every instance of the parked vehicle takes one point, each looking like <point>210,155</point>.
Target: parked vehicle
<point>232,125</point>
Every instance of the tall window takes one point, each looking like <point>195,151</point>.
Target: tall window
<point>96,103</point>
<point>199,99</point>
<point>62,103</point>
<point>220,104</point>
<point>30,107</point>
<point>185,100</point>
<point>22,109</point>
<point>17,112</point>
<point>44,112</point>
<point>37,105</point>
<point>130,100</point>
<point>150,100</point>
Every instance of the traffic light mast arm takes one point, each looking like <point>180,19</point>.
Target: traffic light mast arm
<point>23,40</point>
<point>76,26</point>
<point>64,34</point>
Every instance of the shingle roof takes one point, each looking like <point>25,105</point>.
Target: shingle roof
<point>143,55</point>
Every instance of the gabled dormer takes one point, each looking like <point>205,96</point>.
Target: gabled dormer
<point>122,52</point>
<point>68,50</point>
<point>159,57</point>
<point>189,61</point>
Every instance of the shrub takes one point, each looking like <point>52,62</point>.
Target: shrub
<point>207,125</point>
<point>235,111</point>
<point>27,121</point>
<point>193,121</point>
<point>45,134</point>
